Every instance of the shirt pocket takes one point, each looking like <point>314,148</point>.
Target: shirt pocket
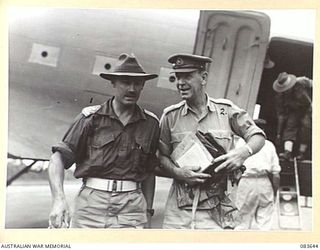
<point>222,137</point>
<point>176,138</point>
<point>143,144</point>
<point>98,147</point>
<point>141,153</point>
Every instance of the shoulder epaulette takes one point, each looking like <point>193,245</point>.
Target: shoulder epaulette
<point>173,107</point>
<point>87,111</point>
<point>151,114</point>
<point>222,101</point>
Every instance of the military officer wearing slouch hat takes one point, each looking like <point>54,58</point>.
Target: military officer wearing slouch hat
<point>114,147</point>
<point>221,120</point>
<point>294,114</point>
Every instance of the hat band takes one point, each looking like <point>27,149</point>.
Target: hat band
<point>186,66</point>
<point>128,69</point>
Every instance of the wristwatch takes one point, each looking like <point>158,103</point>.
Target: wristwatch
<point>150,211</point>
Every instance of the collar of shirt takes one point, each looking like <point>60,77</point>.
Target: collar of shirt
<point>209,105</point>
<point>107,110</point>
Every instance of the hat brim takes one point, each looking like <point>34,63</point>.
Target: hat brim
<point>183,70</point>
<point>111,76</point>
<point>289,83</point>
<point>205,59</point>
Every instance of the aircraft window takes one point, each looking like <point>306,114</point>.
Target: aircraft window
<point>107,66</point>
<point>103,64</point>
<point>44,53</point>
<point>172,79</point>
<point>166,79</point>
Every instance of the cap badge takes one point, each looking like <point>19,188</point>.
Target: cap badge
<point>179,61</point>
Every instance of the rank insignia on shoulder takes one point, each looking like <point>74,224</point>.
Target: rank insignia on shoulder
<point>87,111</point>
<point>151,114</point>
<point>222,101</point>
<point>173,107</point>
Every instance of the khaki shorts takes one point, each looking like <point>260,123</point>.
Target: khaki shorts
<point>101,209</point>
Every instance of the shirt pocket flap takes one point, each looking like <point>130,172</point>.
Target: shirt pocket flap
<point>220,134</point>
<point>102,140</point>
<point>177,137</point>
<point>143,144</point>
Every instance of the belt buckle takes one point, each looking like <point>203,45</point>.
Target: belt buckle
<point>114,186</point>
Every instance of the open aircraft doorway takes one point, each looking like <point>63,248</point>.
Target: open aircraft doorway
<point>56,56</point>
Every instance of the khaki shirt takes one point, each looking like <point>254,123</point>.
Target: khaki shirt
<point>102,147</point>
<point>223,121</point>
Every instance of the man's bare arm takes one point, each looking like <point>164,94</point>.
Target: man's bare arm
<point>236,157</point>
<point>275,184</point>
<point>148,187</point>
<point>59,216</point>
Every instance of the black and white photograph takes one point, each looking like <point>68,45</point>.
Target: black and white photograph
<point>167,119</point>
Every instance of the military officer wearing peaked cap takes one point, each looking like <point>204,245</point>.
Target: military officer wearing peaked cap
<point>218,118</point>
<point>188,63</point>
<point>114,147</point>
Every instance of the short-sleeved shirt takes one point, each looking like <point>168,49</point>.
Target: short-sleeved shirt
<point>223,121</point>
<point>102,147</point>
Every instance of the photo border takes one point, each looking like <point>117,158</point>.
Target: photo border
<point>155,235</point>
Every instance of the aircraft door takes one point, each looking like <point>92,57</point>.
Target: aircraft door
<point>237,43</point>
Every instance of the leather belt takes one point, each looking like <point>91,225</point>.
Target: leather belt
<point>112,185</point>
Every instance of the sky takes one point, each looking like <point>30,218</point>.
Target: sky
<point>294,23</point>
<point>298,24</point>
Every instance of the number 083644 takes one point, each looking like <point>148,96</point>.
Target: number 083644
<point>308,245</point>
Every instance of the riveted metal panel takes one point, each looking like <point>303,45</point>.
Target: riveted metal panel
<point>237,43</point>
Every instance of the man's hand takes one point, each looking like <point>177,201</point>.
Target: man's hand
<point>59,216</point>
<point>233,160</point>
<point>190,175</point>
